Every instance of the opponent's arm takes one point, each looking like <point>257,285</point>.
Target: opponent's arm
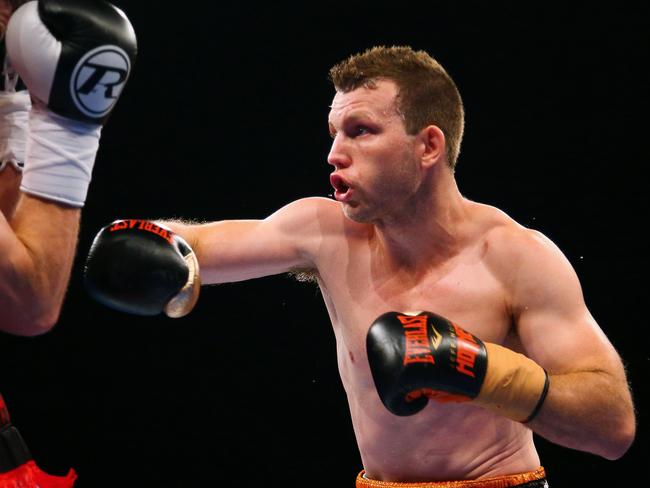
<point>37,248</point>
<point>588,405</point>
<point>38,240</point>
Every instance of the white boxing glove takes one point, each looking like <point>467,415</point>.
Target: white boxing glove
<point>74,57</point>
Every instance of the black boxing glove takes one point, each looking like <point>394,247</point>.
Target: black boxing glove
<point>144,268</point>
<point>74,55</point>
<point>415,357</point>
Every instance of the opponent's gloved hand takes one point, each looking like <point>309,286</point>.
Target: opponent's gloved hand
<point>75,57</point>
<point>143,268</point>
<point>414,357</point>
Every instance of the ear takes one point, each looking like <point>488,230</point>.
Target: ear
<point>433,145</point>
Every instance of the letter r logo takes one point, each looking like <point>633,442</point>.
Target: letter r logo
<point>98,80</point>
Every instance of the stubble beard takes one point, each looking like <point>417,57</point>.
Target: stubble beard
<point>357,214</point>
<point>377,209</point>
<point>395,196</point>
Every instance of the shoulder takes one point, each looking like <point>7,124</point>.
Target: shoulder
<point>315,224</point>
<point>317,227</point>
<point>309,207</point>
<point>528,263</point>
<point>507,241</point>
<point>317,214</point>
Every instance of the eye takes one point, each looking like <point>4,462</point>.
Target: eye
<point>359,130</point>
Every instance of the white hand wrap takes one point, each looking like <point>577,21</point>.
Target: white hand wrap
<point>60,157</point>
<point>14,113</point>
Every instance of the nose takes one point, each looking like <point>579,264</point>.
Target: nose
<point>339,156</point>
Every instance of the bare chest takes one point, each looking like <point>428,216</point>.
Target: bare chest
<point>463,289</point>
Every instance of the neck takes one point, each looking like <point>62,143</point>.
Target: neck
<point>429,229</point>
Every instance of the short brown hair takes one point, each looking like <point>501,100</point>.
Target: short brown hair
<point>426,93</point>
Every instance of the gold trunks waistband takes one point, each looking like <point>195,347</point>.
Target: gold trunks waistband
<point>496,482</point>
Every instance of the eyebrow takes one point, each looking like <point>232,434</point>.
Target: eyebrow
<point>354,116</point>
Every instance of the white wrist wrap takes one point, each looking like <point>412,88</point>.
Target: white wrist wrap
<point>14,113</point>
<point>60,157</point>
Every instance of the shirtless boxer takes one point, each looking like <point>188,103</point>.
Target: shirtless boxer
<point>401,239</point>
<point>49,137</point>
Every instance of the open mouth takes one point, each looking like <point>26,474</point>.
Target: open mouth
<point>341,187</point>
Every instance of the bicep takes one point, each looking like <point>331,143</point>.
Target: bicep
<point>237,250</point>
<point>553,322</point>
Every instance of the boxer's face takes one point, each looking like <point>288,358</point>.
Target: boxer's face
<point>376,169</point>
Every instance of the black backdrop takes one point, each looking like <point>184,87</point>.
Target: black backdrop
<point>225,117</point>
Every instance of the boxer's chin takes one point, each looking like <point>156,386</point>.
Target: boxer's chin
<point>357,214</point>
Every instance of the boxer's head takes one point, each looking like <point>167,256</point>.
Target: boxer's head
<point>426,93</point>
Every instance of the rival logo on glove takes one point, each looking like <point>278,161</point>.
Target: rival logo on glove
<point>98,80</point>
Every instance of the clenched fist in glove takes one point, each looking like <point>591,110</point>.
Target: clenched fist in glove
<point>75,57</point>
<point>144,268</point>
<point>421,356</point>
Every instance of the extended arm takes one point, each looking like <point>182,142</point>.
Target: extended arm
<point>141,266</point>
<point>237,250</point>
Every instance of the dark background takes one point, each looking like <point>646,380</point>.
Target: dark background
<point>225,117</point>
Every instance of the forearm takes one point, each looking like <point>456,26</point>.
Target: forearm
<point>38,265</point>
<point>590,411</point>
<point>238,250</point>
<point>220,249</point>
